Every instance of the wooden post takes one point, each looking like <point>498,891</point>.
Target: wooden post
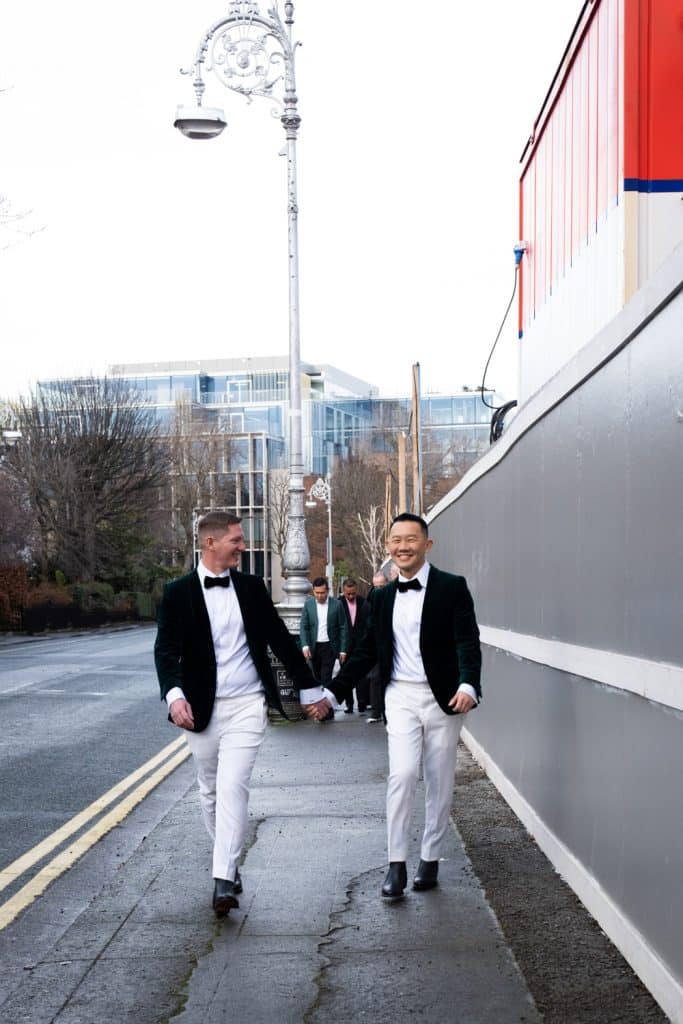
<point>388,511</point>
<point>415,438</point>
<point>402,500</point>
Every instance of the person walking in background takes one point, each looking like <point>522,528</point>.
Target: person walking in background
<point>323,632</point>
<point>355,610</point>
<point>422,634</point>
<point>211,653</point>
<point>379,580</point>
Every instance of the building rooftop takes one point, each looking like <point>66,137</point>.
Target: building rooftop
<point>248,364</point>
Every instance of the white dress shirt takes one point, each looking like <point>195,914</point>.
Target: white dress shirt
<point>322,610</point>
<point>407,618</point>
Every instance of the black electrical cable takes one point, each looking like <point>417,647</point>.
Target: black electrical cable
<point>500,331</point>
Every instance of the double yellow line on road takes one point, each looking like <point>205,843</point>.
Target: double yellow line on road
<point>178,751</point>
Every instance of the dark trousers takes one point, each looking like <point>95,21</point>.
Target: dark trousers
<point>362,695</point>
<point>323,662</point>
<point>375,693</point>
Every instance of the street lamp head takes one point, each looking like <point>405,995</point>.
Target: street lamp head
<point>200,122</point>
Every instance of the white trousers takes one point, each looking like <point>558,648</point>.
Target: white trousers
<point>224,755</point>
<point>418,729</point>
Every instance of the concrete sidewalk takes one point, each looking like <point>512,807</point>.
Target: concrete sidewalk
<point>312,941</point>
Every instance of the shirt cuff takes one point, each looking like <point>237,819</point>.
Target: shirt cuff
<point>175,693</point>
<point>311,696</point>
<point>469,690</point>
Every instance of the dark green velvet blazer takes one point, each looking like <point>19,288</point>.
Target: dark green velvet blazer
<point>449,640</point>
<point>337,630</point>
<point>184,653</point>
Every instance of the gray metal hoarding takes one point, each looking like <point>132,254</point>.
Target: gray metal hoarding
<point>570,533</point>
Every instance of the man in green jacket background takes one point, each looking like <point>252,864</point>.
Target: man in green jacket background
<point>323,631</point>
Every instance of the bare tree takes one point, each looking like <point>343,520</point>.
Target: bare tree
<point>14,224</point>
<point>89,465</point>
<point>15,520</point>
<point>278,498</point>
<point>373,541</point>
<point>442,469</point>
<point>200,476</point>
<point>359,485</point>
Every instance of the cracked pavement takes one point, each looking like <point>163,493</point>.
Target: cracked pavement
<point>129,934</point>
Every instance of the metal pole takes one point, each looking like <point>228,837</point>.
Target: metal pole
<point>296,559</point>
<point>248,51</point>
<point>417,442</point>
<point>330,558</point>
<point>402,498</point>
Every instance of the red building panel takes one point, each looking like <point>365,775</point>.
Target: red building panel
<point>653,95</point>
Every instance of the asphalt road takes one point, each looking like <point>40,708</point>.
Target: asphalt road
<point>77,718</point>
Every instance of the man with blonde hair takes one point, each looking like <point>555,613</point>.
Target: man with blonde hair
<point>211,654</point>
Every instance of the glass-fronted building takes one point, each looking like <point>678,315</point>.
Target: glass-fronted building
<point>341,413</point>
<point>226,424</point>
<point>251,395</point>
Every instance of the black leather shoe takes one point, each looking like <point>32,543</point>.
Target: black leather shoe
<point>426,876</point>
<point>224,899</point>
<point>396,880</point>
<point>237,887</point>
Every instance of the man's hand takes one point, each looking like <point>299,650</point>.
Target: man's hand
<point>319,710</point>
<point>342,658</point>
<point>461,703</point>
<point>181,714</point>
<point>306,651</point>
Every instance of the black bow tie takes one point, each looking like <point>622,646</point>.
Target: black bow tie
<point>404,585</point>
<point>216,581</point>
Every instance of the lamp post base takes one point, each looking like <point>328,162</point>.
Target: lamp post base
<point>291,616</point>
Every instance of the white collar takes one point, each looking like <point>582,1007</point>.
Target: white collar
<point>203,572</point>
<point>421,575</point>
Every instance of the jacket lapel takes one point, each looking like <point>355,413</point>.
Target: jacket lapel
<point>430,603</point>
<point>199,612</point>
<point>242,598</point>
<point>242,595</point>
<point>387,620</point>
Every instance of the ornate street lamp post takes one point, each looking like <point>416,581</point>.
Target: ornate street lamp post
<point>322,491</point>
<point>253,54</point>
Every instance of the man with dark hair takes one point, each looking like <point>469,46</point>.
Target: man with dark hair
<point>355,610</point>
<point>211,654</point>
<point>323,631</point>
<point>423,636</point>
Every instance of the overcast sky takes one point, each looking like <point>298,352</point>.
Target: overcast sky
<point>153,247</point>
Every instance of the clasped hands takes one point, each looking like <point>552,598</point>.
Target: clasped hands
<point>181,712</point>
<point>317,711</point>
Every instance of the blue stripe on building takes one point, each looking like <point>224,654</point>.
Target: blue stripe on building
<point>656,185</point>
